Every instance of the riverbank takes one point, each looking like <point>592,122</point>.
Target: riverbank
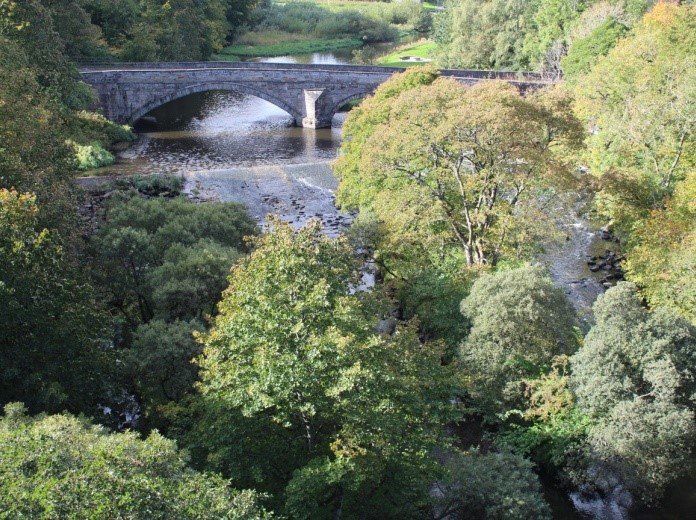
<point>410,55</point>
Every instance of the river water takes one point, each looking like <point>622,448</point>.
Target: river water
<point>238,148</point>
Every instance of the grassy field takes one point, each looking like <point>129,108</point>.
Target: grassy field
<point>304,27</point>
<point>420,49</point>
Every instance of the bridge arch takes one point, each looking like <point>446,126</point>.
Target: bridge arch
<point>337,104</point>
<point>208,87</point>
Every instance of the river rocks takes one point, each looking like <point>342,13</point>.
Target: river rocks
<point>609,265</point>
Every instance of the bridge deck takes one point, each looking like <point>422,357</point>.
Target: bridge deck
<point>521,76</point>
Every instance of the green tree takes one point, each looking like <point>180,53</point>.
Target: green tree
<point>161,359</point>
<point>545,42</point>
<point>520,321</point>
<point>52,355</point>
<point>479,34</point>
<point>29,25</point>
<point>640,101</point>
<point>491,486</point>
<point>168,258</point>
<point>62,467</point>
<point>177,30</point>
<point>634,377</point>
<point>74,26</point>
<point>584,52</point>
<point>294,352</point>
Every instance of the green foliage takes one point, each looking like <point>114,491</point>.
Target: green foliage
<point>448,169</point>
<point>92,156</point>
<point>51,353</point>
<point>33,155</point>
<point>584,52</point>
<point>80,37</point>
<point>281,28</point>
<point>483,35</point>
<point>168,258</point>
<point>640,100</point>
<point>491,485</point>
<point>30,26</point>
<point>62,467</point>
<point>162,264</point>
<point>176,30</point>
<point>161,360</point>
<point>635,378</point>
<point>520,321</point>
<point>90,126</point>
<point>553,428</point>
<point>293,352</point>
<point>663,253</point>
<point>551,21</point>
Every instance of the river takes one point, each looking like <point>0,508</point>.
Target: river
<point>234,147</point>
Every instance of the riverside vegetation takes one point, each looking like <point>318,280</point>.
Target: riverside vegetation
<point>169,359</point>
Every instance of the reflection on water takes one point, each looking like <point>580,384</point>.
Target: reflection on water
<point>340,57</point>
<point>217,130</point>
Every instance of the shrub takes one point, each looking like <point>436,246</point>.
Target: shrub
<point>92,156</point>
<point>491,485</point>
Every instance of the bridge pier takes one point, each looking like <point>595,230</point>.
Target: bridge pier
<point>311,94</point>
<point>316,118</point>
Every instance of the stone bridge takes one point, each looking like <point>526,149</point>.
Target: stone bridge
<point>311,94</point>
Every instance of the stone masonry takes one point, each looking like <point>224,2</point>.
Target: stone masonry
<point>311,94</point>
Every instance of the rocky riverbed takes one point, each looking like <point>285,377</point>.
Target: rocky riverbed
<point>295,192</point>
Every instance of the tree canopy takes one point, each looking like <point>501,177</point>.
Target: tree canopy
<point>294,351</point>
<point>635,377</point>
<point>520,322</point>
<point>60,466</point>
<point>447,167</point>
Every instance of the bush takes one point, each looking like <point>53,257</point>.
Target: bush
<point>491,485</point>
<point>92,156</point>
<point>93,126</point>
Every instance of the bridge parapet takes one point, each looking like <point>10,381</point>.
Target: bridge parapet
<point>311,94</point>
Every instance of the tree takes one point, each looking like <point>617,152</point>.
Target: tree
<point>492,486</point>
<point>634,377</point>
<point>584,52</point>
<point>451,168</point>
<point>293,352</point>
<point>520,321</point>
<point>52,355</point>
<point>75,28</point>
<point>168,258</point>
<point>161,359</point>
<point>551,22</point>
<point>33,155</point>
<point>60,466</point>
<point>640,101</point>
<point>662,256</point>
<point>483,35</point>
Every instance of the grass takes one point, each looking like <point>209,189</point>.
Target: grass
<point>420,49</point>
<point>305,46</point>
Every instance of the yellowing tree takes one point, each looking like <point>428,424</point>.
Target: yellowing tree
<point>640,103</point>
<point>663,262</point>
<point>469,168</point>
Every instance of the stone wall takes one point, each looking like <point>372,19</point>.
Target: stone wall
<point>311,94</point>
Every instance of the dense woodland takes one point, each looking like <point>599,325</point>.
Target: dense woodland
<point>268,383</point>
